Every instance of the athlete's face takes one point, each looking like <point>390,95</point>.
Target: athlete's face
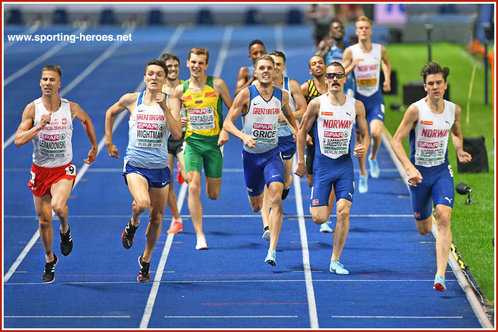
<point>264,71</point>
<point>317,66</point>
<point>337,30</point>
<point>155,77</point>
<point>335,78</point>
<point>435,85</point>
<point>363,30</point>
<point>279,67</point>
<point>256,51</point>
<point>197,64</point>
<point>173,69</point>
<point>50,82</point>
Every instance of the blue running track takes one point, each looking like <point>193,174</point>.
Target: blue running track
<point>229,285</point>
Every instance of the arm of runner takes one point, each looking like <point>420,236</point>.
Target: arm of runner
<point>457,137</point>
<point>222,88</point>
<point>240,105</point>
<point>361,148</point>
<point>309,118</point>
<point>125,102</point>
<point>299,99</point>
<point>243,80</point>
<point>81,115</point>
<point>409,121</point>
<point>172,113</point>
<point>386,69</point>
<point>26,131</point>
<point>348,62</point>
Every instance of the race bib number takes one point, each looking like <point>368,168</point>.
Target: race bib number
<point>70,170</point>
<point>265,133</point>
<point>335,143</point>
<point>367,82</point>
<point>201,118</point>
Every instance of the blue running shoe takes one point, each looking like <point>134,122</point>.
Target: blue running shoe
<point>325,227</point>
<point>439,284</point>
<point>337,268</point>
<point>271,258</point>
<point>374,168</point>
<point>363,186</point>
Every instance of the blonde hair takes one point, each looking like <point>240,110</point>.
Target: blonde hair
<point>364,19</point>
<point>56,69</point>
<point>199,51</point>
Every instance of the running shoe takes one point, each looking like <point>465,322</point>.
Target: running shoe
<point>201,243</point>
<point>266,233</point>
<point>49,273</point>
<point>176,227</point>
<point>363,186</point>
<point>374,168</point>
<point>285,192</point>
<point>439,284</point>
<point>337,268</point>
<point>271,258</point>
<point>144,274</point>
<point>179,177</point>
<point>128,235</point>
<point>325,227</point>
<point>66,243</point>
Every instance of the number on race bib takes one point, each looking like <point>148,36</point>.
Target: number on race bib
<point>71,170</point>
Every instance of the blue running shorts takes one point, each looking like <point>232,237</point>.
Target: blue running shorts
<point>261,169</point>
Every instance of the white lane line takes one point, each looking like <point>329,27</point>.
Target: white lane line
<point>223,317</point>
<point>162,263</point>
<point>223,52</point>
<point>67,317</point>
<point>310,293</point>
<point>169,240</point>
<point>400,317</point>
<point>38,60</point>
<point>234,281</point>
<point>305,252</point>
<point>29,31</point>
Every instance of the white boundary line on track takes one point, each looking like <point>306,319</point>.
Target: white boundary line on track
<point>400,317</point>
<point>29,31</point>
<point>169,240</point>
<point>66,317</point>
<point>474,302</point>
<point>223,317</point>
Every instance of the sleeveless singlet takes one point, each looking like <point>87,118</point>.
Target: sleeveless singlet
<point>262,118</point>
<point>148,136</point>
<point>429,138</point>
<point>367,72</point>
<point>52,145</point>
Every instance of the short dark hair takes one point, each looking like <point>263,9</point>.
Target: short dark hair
<point>156,63</point>
<point>264,57</point>
<point>57,69</point>
<point>255,42</point>
<point>169,56</point>
<point>315,56</point>
<point>434,68</point>
<point>336,64</point>
<point>336,20</point>
<point>278,53</point>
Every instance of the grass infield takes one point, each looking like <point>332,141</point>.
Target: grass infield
<point>472,225</point>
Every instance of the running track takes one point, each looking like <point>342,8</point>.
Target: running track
<point>228,286</point>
